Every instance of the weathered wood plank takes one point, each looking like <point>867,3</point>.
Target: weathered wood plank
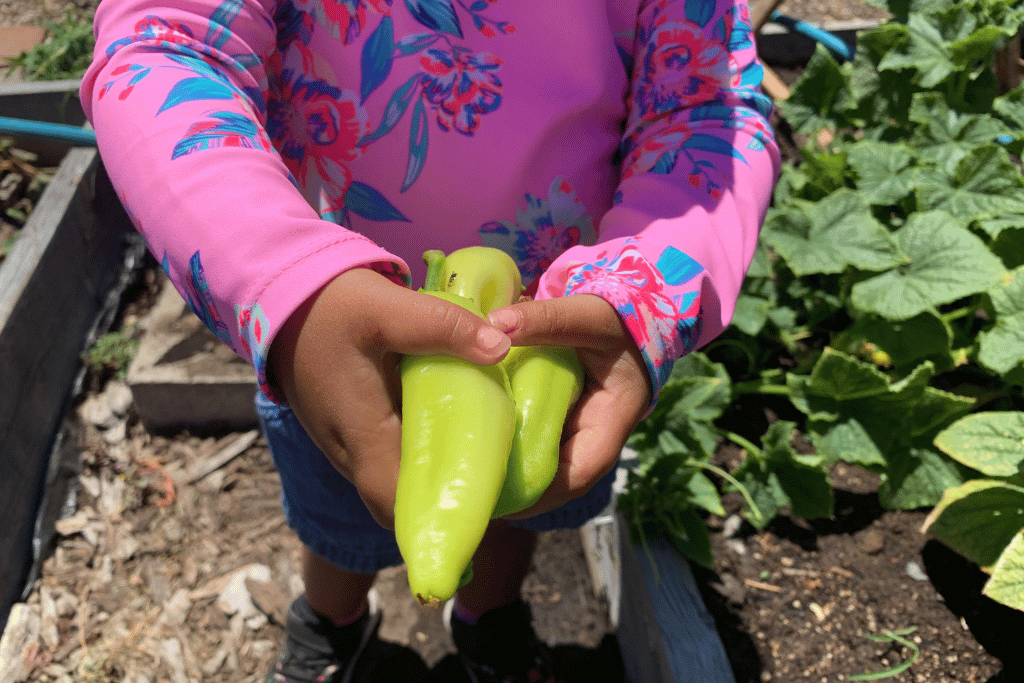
<point>52,285</point>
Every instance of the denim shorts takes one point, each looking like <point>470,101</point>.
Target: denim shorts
<point>329,517</point>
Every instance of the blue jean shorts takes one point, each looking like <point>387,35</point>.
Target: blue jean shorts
<point>329,517</point>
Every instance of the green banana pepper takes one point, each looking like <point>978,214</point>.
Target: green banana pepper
<point>546,383</point>
<point>478,442</point>
<point>546,380</point>
<point>457,426</point>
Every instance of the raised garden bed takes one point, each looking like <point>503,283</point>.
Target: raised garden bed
<point>55,280</point>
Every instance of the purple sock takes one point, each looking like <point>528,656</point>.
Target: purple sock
<point>345,621</point>
<point>464,614</point>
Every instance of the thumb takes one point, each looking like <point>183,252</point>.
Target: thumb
<point>419,323</point>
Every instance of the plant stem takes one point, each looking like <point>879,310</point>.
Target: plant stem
<point>952,316</point>
<point>758,386</point>
<point>735,482</point>
<point>743,443</point>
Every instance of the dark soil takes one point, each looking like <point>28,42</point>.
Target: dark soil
<point>794,601</point>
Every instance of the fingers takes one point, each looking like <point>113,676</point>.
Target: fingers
<point>583,321</point>
<point>417,323</point>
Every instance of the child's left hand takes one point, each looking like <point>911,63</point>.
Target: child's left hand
<point>615,396</point>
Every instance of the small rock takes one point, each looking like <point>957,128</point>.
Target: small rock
<point>125,545</point>
<point>259,648</point>
<point>235,599</point>
<point>256,621</point>
<point>67,602</point>
<point>118,397</point>
<point>117,433</point>
<point>214,663</point>
<point>173,530</point>
<point>96,411</point>
<point>731,525</point>
<point>736,545</point>
<point>915,572</point>
<point>176,609</point>
<point>871,542</point>
<point>19,643</point>
<point>70,526</point>
<point>48,619</point>
<point>173,657</point>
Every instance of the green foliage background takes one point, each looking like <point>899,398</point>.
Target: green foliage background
<point>884,307</point>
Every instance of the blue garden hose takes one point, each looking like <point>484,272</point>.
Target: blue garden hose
<point>44,129</point>
<point>829,40</point>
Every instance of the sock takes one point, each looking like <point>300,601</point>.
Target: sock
<point>351,619</point>
<point>464,614</point>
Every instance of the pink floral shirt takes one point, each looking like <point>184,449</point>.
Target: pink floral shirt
<point>262,147</point>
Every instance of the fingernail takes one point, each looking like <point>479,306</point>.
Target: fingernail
<point>504,320</point>
<point>492,339</point>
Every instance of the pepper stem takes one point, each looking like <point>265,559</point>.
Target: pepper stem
<point>434,260</point>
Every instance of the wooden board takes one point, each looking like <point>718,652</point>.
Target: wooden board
<point>52,286</point>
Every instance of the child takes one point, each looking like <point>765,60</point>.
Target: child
<point>288,162</point>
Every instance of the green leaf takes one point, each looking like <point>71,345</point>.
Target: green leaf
<point>882,168</point>
<point>928,52</point>
<point>1008,240</point>
<point>1006,585</point>
<point>781,477</point>
<point>936,410</point>
<point>984,183</point>
<point>978,519</point>
<point>702,389</point>
<point>1001,347</point>
<point>991,442</point>
<point>849,442</point>
<point>690,536</point>
<point>843,378</point>
<point>818,95</point>
<point>841,232</point>
<point>1010,106</point>
<point>940,125</point>
<point>855,413</point>
<point>908,342</point>
<point>942,262</point>
<point>751,313</point>
<point>704,495</point>
<point>696,390</point>
<point>917,478</point>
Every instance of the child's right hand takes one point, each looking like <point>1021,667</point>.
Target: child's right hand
<point>336,363</point>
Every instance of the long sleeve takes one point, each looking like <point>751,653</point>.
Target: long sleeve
<point>178,98</point>
<point>699,166</point>
<point>263,147</point>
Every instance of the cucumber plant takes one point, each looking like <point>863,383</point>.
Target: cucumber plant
<point>885,304</point>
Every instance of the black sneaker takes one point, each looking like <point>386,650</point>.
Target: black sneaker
<point>502,647</point>
<point>317,651</point>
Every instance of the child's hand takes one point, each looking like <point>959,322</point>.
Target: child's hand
<point>336,362</point>
<point>615,396</point>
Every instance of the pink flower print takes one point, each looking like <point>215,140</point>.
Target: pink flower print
<point>316,127</point>
<point>253,341</point>
<point>542,230</point>
<point>461,86</point>
<point>346,18</point>
<point>681,66</point>
<point>664,327</point>
<point>151,28</point>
